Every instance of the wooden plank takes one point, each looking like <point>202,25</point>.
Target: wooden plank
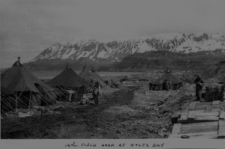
<point>199,127</point>
<point>216,106</point>
<point>207,117</point>
<point>198,109</point>
<point>217,102</point>
<point>222,115</point>
<point>221,132</point>
<point>200,124</point>
<point>184,114</point>
<point>201,106</point>
<point>216,109</point>
<point>209,109</point>
<point>192,105</point>
<point>191,115</point>
<point>205,135</point>
<point>203,103</point>
<point>197,121</point>
<point>216,113</point>
<point>223,107</point>
<point>199,112</point>
<point>176,128</point>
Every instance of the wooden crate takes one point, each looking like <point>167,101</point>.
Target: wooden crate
<point>200,112</point>
<point>205,130</point>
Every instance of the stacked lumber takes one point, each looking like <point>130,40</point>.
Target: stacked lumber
<point>200,120</point>
<point>204,130</point>
<point>199,112</point>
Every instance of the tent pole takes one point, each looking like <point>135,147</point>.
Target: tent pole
<point>29,100</point>
<point>43,99</point>
<point>8,104</point>
<point>79,93</point>
<point>16,101</point>
<point>62,100</point>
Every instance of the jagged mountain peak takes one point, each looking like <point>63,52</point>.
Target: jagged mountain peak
<point>92,50</point>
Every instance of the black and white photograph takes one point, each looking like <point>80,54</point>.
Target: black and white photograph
<point>112,69</point>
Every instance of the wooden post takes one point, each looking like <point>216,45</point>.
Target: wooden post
<point>30,102</point>
<point>221,131</point>
<point>70,95</point>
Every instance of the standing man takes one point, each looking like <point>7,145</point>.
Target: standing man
<point>199,85</point>
<point>95,94</point>
<point>167,85</point>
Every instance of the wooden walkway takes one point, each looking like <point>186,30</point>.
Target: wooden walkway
<point>200,120</point>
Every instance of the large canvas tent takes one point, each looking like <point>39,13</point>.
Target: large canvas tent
<point>21,89</point>
<point>69,81</point>
<point>158,83</point>
<point>91,76</point>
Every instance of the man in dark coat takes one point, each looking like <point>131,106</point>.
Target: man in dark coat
<point>199,85</point>
<point>95,94</point>
<point>166,85</point>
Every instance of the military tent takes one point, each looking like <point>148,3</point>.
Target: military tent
<point>158,84</point>
<point>91,77</point>
<point>21,89</point>
<point>69,80</point>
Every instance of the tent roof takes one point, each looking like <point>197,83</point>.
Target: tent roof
<point>97,76</point>
<point>17,78</point>
<point>168,76</point>
<point>67,78</point>
<point>91,76</point>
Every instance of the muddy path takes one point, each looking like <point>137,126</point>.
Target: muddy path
<point>87,121</point>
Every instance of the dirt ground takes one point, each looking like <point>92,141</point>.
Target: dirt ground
<point>130,112</point>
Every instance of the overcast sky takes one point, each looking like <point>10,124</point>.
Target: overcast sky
<point>30,26</point>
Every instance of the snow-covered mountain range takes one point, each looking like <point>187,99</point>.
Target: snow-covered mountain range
<point>95,51</point>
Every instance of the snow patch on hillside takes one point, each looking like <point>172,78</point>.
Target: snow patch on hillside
<point>68,54</point>
<point>102,54</point>
<point>143,47</point>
